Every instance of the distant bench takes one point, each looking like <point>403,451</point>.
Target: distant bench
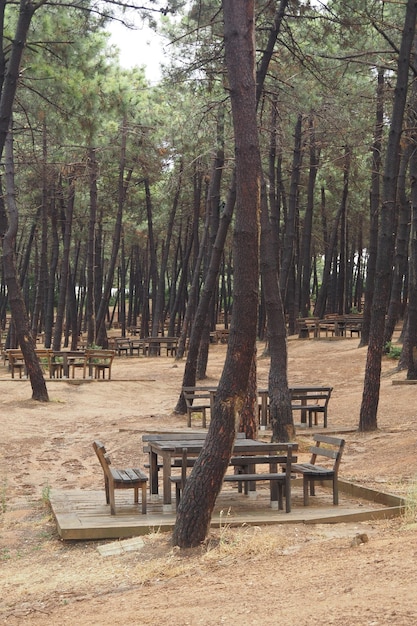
<point>198,400</point>
<point>17,362</point>
<point>310,400</point>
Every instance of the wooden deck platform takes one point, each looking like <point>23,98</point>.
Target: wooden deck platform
<point>84,515</point>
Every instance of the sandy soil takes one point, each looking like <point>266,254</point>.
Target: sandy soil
<point>249,576</point>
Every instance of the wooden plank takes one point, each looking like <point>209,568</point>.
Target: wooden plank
<point>84,515</point>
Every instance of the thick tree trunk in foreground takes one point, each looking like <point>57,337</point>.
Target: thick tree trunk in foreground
<point>203,485</point>
<point>370,398</point>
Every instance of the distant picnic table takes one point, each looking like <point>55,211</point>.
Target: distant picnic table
<point>331,325</point>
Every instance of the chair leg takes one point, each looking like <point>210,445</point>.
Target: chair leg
<point>280,499</point>
<point>136,490</point>
<point>335,491</point>
<point>305,490</point>
<point>143,498</point>
<point>112,501</point>
<point>204,418</point>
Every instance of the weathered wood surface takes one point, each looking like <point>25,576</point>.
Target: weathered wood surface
<point>82,514</point>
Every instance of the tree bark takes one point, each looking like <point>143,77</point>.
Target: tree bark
<point>91,252</point>
<point>373,209</point>
<point>305,253</point>
<point>203,485</point>
<point>279,396</point>
<point>370,397</point>
<point>65,266</point>
<point>158,314</point>
<point>401,251</point>
<point>19,314</point>
<point>290,223</point>
<point>123,185</point>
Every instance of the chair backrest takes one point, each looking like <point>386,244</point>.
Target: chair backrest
<point>103,456</point>
<point>103,357</point>
<point>334,452</point>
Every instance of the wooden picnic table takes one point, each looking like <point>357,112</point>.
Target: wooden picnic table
<point>168,449</point>
<point>146,346</point>
<point>333,325</point>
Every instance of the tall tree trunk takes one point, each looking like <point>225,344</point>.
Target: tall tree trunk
<point>17,307</point>
<point>290,224</point>
<point>373,209</point>
<point>308,221</point>
<point>370,397</point>
<point>342,274</point>
<point>158,315</point>
<point>213,208</point>
<point>280,400</point>
<point>153,262</point>
<point>401,251</point>
<point>190,370</point>
<point>124,179</point>
<point>320,306</point>
<point>65,266</point>
<point>91,253</point>
<point>53,265</point>
<point>203,485</point>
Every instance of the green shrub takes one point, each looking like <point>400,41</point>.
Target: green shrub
<point>392,352</point>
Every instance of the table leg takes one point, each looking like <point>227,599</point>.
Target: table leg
<point>153,473</point>
<point>166,468</point>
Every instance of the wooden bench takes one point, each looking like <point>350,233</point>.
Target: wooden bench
<point>280,481</point>
<point>17,361</point>
<point>311,401</point>
<point>353,324</point>
<point>120,479</point>
<point>97,362</point>
<point>122,345</point>
<point>306,325</point>
<point>198,400</point>
<point>154,345</point>
<point>220,335</point>
<point>313,472</point>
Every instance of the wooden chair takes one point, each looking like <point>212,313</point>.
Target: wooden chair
<point>120,479</point>
<point>313,472</point>
<point>75,361</point>
<point>16,361</point>
<point>197,400</point>
<point>98,361</point>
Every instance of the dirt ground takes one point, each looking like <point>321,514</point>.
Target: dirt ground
<point>297,574</point>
